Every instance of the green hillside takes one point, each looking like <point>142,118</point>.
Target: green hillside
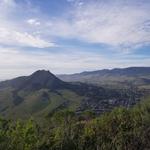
<point>37,103</point>
<point>42,94</point>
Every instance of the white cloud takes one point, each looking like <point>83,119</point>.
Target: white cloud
<point>13,31</point>
<point>15,38</point>
<point>122,24</point>
<point>118,24</point>
<point>77,3</point>
<point>33,22</point>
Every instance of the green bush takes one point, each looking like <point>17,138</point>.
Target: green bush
<point>121,129</point>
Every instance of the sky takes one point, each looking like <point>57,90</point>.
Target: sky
<point>69,36</point>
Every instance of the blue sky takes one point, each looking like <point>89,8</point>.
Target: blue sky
<point>68,36</point>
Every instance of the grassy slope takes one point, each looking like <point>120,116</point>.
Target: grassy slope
<point>5,101</point>
<point>35,105</point>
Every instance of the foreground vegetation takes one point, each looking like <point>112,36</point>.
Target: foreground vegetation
<point>120,129</point>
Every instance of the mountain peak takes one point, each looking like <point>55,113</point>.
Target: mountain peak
<point>43,74</point>
<point>41,79</point>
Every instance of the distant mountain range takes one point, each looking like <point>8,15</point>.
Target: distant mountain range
<point>42,93</point>
<point>137,76</point>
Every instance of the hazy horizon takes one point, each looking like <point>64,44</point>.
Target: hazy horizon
<point>29,73</point>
